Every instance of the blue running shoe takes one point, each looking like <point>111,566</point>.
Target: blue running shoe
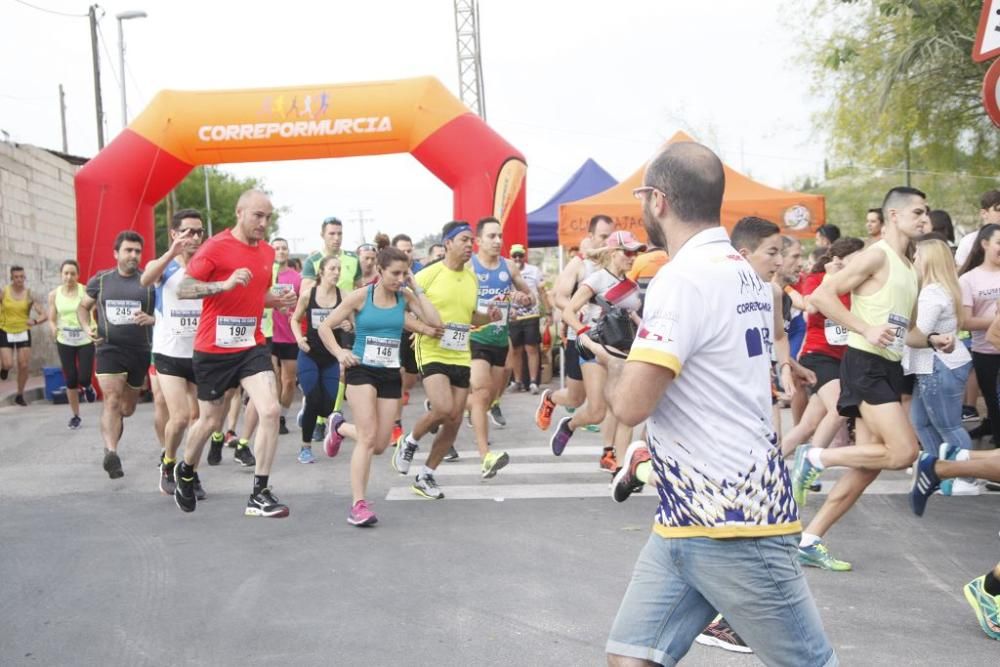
<point>561,437</point>
<point>306,455</point>
<point>925,482</point>
<point>804,475</point>
<point>817,555</point>
<point>986,606</point>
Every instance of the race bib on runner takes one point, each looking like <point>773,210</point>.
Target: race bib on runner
<point>121,312</point>
<point>455,338</point>
<point>483,306</point>
<point>184,323</point>
<point>381,352</point>
<point>835,334</point>
<point>902,325</point>
<point>317,315</point>
<point>236,332</point>
<point>73,335</point>
<point>17,337</point>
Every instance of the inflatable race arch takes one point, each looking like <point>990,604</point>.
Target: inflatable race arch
<point>178,131</point>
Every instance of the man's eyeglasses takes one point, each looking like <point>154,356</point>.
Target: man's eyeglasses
<point>640,192</point>
<point>191,231</point>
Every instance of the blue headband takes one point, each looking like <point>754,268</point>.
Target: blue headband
<point>456,231</point>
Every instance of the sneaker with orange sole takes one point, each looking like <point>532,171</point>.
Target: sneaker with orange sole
<point>608,460</point>
<point>397,432</point>
<point>546,406</point>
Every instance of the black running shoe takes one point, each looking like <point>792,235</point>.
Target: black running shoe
<point>625,481</point>
<point>452,455</point>
<point>721,635</point>
<point>19,399</point>
<point>167,482</point>
<point>4,373</point>
<point>496,416</point>
<point>113,464</point>
<point>244,456</point>
<point>265,504</point>
<point>282,429</point>
<point>89,394</point>
<point>184,494</point>
<point>199,491</point>
<point>232,439</point>
<point>215,451</point>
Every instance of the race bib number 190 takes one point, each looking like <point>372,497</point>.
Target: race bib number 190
<point>235,332</point>
<point>456,337</point>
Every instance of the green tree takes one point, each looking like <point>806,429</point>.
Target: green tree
<point>224,188</point>
<point>905,93</point>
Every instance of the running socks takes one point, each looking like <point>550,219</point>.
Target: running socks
<point>808,539</point>
<point>168,461</point>
<point>218,436</point>
<point>425,471</point>
<point>813,454</point>
<point>411,441</point>
<point>259,483</point>
<point>341,390</point>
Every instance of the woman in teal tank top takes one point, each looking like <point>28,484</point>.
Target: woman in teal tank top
<point>374,386</point>
<point>75,346</point>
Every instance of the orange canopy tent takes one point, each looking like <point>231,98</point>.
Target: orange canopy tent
<point>798,214</point>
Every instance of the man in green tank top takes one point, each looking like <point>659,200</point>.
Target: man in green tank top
<point>332,233</point>
<point>883,286</point>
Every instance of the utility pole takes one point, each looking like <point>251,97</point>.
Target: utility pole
<point>361,220</point>
<point>470,65</point>
<point>62,117</point>
<point>97,77</point>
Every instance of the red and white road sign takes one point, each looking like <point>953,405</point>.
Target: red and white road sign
<point>987,44</point>
<point>991,92</point>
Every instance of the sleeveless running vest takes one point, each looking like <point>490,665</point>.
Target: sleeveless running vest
<point>68,325</point>
<point>315,314</point>
<point>494,289</point>
<point>14,318</point>
<point>892,304</point>
<point>378,332</point>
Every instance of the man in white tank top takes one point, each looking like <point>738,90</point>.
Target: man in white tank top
<point>173,337</point>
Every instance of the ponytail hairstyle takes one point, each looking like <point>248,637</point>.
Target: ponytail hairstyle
<point>978,254</point>
<point>381,241</point>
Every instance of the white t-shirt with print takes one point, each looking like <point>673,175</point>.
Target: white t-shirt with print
<point>709,318</point>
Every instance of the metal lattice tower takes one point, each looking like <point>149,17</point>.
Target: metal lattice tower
<point>470,65</point>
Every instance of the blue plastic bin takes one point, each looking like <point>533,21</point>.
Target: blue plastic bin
<point>54,381</point>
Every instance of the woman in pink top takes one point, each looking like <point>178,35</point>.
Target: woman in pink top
<point>284,350</point>
<point>980,283</point>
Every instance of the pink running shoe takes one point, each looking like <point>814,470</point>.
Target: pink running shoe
<point>362,515</point>
<point>331,443</point>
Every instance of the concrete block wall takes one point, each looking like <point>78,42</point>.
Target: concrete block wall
<point>37,227</point>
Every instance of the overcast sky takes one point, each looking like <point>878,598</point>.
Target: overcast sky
<point>564,81</point>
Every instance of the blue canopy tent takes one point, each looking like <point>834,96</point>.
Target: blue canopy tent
<point>543,223</point>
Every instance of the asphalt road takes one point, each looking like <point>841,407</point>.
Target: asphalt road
<point>526,569</point>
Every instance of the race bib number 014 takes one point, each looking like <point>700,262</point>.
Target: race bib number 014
<point>184,323</point>
<point>381,352</point>
<point>121,312</point>
<point>235,332</point>
<point>455,338</point>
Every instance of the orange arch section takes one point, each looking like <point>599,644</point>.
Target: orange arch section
<point>183,129</point>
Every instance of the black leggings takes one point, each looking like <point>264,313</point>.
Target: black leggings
<point>77,364</point>
<point>987,367</point>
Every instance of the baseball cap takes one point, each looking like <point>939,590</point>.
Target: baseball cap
<point>516,249</point>
<point>624,239</point>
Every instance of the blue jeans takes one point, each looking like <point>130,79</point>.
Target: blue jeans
<point>936,410</point>
<point>756,583</point>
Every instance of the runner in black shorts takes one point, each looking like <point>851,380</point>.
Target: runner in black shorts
<point>173,340</point>
<point>407,353</point>
<point>232,274</point>
<point>124,336</point>
<point>374,386</point>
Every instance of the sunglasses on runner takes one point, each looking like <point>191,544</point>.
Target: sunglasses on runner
<point>630,253</point>
<point>518,255</point>
<point>366,246</point>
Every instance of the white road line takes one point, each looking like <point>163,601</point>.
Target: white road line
<point>582,450</point>
<point>548,468</point>
<point>509,492</point>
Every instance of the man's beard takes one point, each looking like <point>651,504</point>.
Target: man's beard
<point>653,230</point>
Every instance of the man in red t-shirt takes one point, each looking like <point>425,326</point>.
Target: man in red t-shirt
<point>232,273</point>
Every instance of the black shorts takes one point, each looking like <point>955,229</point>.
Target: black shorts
<point>572,357</point>
<point>868,378</point>
<point>408,354</point>
<point>825,367</point>
<point>132,362</point>
<point>525,332</point>
<point>175,366</point>
<point>17,346</point>
<point>217,373</point>
<point>457,375</point>
<point>495,355</point>
<point>387,381</point>
<point>285,351</point>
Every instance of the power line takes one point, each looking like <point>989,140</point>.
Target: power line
<point>104,43</point>
<point>51,11</point>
